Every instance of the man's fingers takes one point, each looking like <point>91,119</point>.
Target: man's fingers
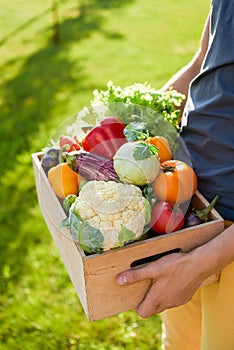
<point>134,275</point>
<point>150,305</point>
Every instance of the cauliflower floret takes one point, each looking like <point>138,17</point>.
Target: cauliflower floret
<point>116,212</point>
<point>85,211</point>
<point>111,237</point>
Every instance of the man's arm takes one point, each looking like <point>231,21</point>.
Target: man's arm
<point>176,277</point>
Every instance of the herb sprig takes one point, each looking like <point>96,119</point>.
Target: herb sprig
<point>166,103</point>
<point>137,131</point>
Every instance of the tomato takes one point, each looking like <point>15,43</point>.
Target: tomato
<point>176,183</point>
<point>164,150</point>
<point>69,141</point>
<point>166,217</point>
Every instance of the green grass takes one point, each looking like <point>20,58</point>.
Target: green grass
<point>42,84</point>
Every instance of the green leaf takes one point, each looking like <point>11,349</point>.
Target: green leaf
<point>65,223</point>
<point>125,236</point>
<point>147,212</point>
<point>89,238</point>
<point>135,131</point>
<point>144,150</point>
<point>75,223</point>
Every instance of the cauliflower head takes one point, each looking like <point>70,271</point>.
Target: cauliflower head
<point>107,215</point>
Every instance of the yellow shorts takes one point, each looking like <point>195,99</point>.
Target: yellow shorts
<point>207,321</point>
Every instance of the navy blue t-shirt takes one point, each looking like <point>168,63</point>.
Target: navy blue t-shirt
<point>208,120</point>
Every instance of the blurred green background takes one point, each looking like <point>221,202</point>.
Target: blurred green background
<point>53,54</point>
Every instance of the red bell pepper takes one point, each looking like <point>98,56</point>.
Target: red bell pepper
<point>106,138</point>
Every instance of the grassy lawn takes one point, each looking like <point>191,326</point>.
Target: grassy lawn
<point>41,84</point>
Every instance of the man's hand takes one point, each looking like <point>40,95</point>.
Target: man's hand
<point>175,279</point>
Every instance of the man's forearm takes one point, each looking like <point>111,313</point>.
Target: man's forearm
<point>216,254</point>
<point>181,80</point>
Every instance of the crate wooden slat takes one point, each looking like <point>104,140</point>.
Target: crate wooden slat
<point>94,276</point>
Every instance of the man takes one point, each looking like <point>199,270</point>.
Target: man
<point>202,318</point>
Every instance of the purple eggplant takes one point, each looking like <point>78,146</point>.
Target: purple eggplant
<point>50,159</point>
<point>196,217</point>
<point>191,220</point>
<point>91,166</point>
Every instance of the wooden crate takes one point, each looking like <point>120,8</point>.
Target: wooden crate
<point>94,276</point>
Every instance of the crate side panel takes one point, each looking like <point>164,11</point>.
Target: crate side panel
<point>53,214</point>
<point>105,297</point>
